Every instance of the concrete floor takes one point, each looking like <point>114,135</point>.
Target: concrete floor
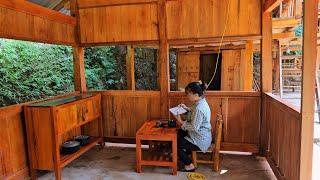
<point>117,161</point>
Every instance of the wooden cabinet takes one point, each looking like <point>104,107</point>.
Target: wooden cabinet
<point>49,123</point>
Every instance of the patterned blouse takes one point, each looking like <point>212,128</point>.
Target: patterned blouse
<point>198,125</point>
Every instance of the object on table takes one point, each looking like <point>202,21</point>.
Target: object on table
<point>70,147</point>
<point>159,124</point>
<point>82,139</point>
<point>172,123</point>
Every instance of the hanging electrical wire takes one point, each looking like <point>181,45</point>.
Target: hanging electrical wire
<point>220,45</point>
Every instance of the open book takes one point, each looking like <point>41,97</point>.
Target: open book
<point>177,110</point>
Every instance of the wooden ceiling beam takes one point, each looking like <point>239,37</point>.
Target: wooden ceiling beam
<point>285,23</point>
<point>284,35</point>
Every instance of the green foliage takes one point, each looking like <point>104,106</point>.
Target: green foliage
<point>30,71</point>
<point>105,67</point>
<point>146,69</point>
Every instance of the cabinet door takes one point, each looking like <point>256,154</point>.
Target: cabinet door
<point>91,109</point>
<point>68,117</point>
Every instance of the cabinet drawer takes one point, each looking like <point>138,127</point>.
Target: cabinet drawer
<point>74,115</point>
<point>68,117</point>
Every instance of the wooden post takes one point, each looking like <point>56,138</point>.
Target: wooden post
<point>163,59</point>
<point>130,68</point>
<point>79,70</point>
<point>309,56</point>
<point>246,67</point>
<point>276,69</point>
<point>266,75</point>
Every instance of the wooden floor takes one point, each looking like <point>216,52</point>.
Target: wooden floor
<point>114,162</point>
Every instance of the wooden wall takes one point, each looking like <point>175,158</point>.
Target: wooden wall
<point>113,21</point>
<point>125,111</point>
<point>241,117</point>
<point>26,21</point>
<point>13,152</point>
<point>284,130</point>
<point>118,23</point>
<point>206,18</point>
<point>13,146</point>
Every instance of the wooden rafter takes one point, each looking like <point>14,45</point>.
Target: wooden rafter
<point>269,5</point>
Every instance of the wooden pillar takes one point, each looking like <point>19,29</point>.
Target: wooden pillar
<point>266,75</point>
<point>276,69</point>
<point>309,56</point>
<point>163,60</point>
<point>130,68</point>
<point>246,67</point>
<point>79,70</point>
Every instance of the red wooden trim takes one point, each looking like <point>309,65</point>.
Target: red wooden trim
<point>36,10</point>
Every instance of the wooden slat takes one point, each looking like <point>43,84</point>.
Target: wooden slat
<point>310,25</point>
<point>36,10</point>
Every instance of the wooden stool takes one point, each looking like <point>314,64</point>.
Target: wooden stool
<point>214,148</point>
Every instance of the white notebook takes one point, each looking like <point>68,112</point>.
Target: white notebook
<point>177,110</point>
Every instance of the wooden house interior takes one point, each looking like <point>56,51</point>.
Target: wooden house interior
<point>211,38</point>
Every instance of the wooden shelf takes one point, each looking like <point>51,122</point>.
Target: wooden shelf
<point>66,159</point>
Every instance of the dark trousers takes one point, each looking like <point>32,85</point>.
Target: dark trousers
<point>185,147</point>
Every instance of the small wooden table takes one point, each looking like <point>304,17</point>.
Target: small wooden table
<point>158,157</point>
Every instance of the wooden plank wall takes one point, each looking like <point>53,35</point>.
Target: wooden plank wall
<point>206,18</point>
<point>284,130</point>
<point>23,20</point>
<point>137,20</point>
<point>118,23</point>
<point>241,116</point>
<point>13,146</point>
<point>125,111</point>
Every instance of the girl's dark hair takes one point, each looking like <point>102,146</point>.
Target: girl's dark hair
<point>196,88</point>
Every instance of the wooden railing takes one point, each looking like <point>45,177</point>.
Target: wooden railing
<point>283,129</point>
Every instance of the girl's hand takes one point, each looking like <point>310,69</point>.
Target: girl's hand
<point>178,118</point>
<point>184,106</point>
